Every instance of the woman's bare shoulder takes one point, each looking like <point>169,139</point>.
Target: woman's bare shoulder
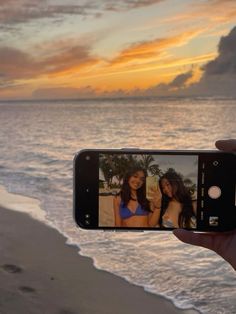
<point>175,204</point>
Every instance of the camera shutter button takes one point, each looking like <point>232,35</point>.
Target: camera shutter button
<point>214,192</point>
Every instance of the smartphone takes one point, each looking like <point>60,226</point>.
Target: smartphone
<point>197,190</point>
<point>151,186</point>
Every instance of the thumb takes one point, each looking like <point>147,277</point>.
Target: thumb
<point>190,237</point>
<point>226,145</point>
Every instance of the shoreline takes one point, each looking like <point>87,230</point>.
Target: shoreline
<point>43,274</point>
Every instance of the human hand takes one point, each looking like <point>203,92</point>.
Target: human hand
<point>156,197</point>
<point>226,145</point>
<point>223,243</point>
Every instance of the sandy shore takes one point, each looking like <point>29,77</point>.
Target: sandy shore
<point>39,273</point>
<point>106,212</point>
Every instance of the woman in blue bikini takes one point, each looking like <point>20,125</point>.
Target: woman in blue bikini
<point>131,207</point>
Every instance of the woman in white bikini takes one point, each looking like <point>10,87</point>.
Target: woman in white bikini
<point>177,206</point>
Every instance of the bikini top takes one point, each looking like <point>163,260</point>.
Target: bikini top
<point>125,212</point>
<point>167,223</point>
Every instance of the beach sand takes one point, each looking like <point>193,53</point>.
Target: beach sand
<point>106,213</point>
<point>39,273</point>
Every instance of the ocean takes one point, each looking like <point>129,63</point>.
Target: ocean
<point>38,140</point>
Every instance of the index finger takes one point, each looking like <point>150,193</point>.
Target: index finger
<point>158,188</point>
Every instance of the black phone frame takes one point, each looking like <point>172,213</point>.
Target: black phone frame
<point>85,194</point>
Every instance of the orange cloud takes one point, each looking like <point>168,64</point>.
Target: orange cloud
<point>67,64</point>
<point>70,64</point>
<point>210,12</point>
<point>165,67</point>
<point>19,65</point>
<point>150,50</point>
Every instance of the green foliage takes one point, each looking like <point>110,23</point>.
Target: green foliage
<point>190,185</point>
<point>115,167</point>
<point>101,184</point>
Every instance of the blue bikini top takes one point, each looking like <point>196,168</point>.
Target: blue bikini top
<point>125,212</point>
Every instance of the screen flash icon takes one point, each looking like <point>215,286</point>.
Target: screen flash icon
<point>215,163</point>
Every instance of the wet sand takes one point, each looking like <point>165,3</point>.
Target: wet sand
<point>39,273</point>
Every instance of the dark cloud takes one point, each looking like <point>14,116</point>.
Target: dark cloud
<point>175,86</point>
<point>225,63</point>
<point>14,12</point>
<point>113,5</point>
<point>218,79</point>
<point>77,93</point>
<point>16,64</point>
<point>181,79</point>
<point>64,92</point>
<point>22,11</point>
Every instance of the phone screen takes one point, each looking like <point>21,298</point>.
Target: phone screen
<point>129,185</point>
<point>155,190</point>
<point>152,186</point>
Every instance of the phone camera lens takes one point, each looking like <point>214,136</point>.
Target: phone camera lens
<point>87,158</point>
<point>87,222</point>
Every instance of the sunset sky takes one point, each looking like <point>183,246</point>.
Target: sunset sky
<point>94,48</point>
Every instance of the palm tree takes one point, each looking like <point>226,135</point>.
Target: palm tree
<point>106,165</point>
<point>190,185</point>
<point>122,164</point>
<point>146,163</point>
<point>115,165</point>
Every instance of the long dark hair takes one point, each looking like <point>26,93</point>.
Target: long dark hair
<point>181,194</point>
<point>125,192</point>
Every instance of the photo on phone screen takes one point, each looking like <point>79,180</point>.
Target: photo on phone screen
<point>144,190</point>
<point>152,186</point>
